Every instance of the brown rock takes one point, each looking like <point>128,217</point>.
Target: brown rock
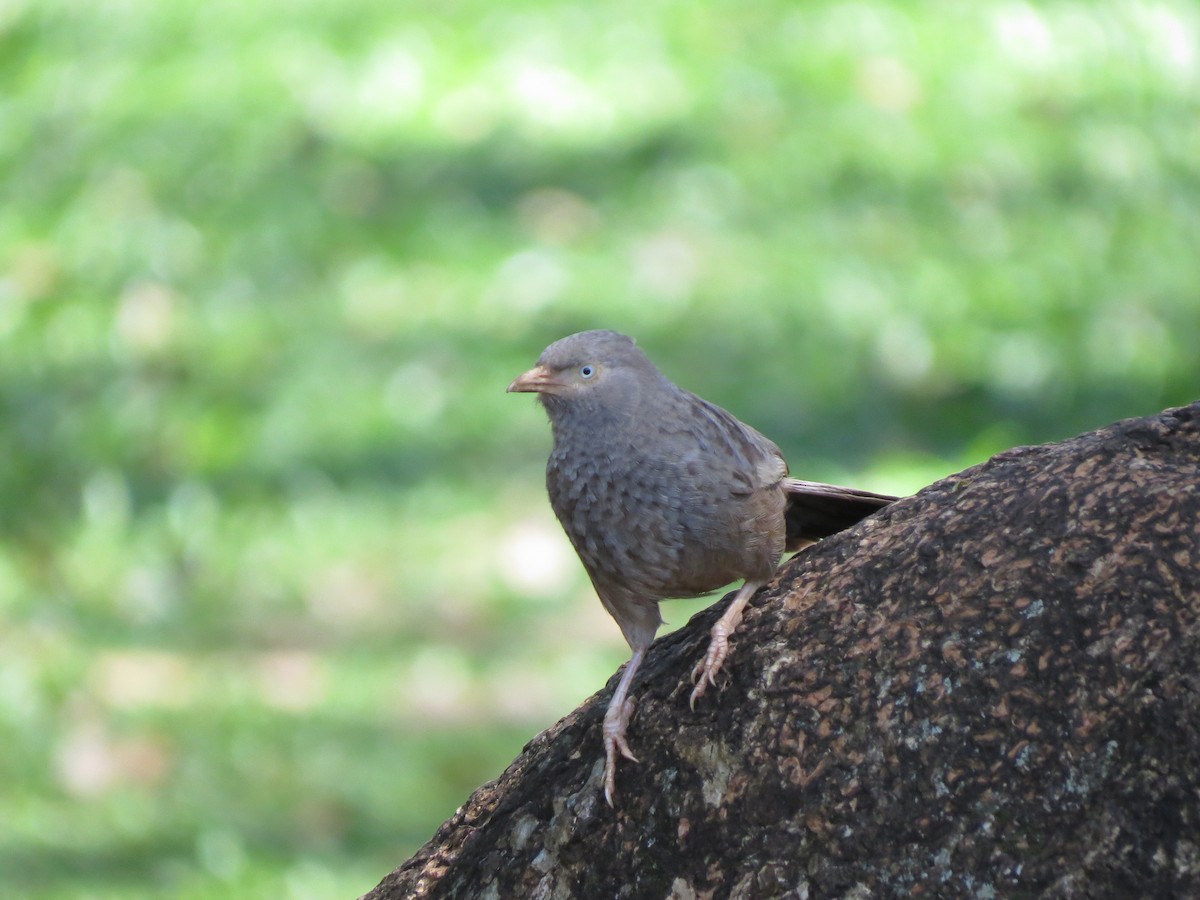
<point>989,689</point>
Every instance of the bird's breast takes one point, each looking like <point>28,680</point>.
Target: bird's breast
<point>652,527</point>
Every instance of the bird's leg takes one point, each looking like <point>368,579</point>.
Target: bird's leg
<point>616,720</point>
<point>706,669</point>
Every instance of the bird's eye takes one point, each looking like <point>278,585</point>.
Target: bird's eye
<point>587,371</point>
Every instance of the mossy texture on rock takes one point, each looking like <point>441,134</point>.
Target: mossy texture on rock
<point>990,688</point>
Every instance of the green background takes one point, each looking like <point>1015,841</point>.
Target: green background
<point>279,585</point>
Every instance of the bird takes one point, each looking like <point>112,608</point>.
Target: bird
<point>665,495</point>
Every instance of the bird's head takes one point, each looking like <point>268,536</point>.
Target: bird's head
<point>589,369</point>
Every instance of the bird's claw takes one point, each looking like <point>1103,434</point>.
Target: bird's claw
<point>614,744</point>
<point>705,671</point>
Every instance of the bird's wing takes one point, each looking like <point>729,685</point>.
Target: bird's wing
<point>740,461</point>
<point>744,460</point>
<point>816,510</point>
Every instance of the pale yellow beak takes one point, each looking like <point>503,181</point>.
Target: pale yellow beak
<point>537,380</point>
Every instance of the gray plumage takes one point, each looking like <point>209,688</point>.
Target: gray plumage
<point>661,493</point>
<point>664,495</point>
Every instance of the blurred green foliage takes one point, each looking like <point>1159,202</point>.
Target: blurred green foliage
<point>278,582</point>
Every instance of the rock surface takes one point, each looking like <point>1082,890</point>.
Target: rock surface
<point>990,688</point>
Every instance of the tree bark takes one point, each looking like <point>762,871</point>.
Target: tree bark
<point>987,689</point>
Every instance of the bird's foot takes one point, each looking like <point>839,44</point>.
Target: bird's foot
<point>705,671</point>
<point>616,720</point>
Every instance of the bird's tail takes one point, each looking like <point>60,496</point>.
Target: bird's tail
<point>816,510</point>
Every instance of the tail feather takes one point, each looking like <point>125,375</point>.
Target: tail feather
<point>816,510</point>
